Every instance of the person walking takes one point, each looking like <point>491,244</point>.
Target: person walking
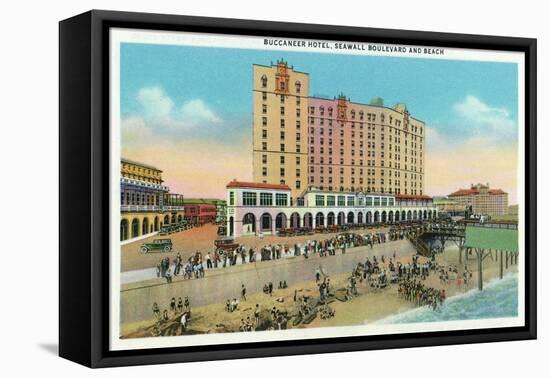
<point>243,292</point>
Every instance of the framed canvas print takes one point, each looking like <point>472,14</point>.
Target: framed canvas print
<point>234,188</point>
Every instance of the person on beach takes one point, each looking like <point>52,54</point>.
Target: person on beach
<point>156,310</point>
<point>173,305</point>
<point>243,292</point>
<point>180,305</point>
<point>183,322</point>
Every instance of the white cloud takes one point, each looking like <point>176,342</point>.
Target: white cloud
<point>485,121</point>
<point>155,103</point>
<point>158,113</point>
<point>196,111</point>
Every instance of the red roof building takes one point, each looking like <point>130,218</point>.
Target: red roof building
<point>482,200</point>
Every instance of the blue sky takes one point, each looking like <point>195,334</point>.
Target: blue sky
<point>181,92</point>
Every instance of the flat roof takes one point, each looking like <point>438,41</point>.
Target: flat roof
<point>256,185</point>
<point>124,160</point>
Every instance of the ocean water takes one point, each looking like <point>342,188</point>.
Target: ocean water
<point>498,299</point>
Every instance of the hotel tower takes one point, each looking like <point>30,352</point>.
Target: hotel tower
<point>333,144</point>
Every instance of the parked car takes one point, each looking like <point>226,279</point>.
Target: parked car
<point>226,243</point>
<point>164,245</point>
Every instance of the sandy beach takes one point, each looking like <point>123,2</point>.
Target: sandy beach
<point>368,306</point>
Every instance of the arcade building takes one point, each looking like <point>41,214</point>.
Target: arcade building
<point>258,208</point>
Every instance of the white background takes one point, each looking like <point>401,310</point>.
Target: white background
<point>29,185</point>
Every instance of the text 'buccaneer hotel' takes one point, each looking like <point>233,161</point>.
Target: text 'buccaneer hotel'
<point>320,161</point>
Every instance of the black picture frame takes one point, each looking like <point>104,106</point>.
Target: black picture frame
<point>84,187</point>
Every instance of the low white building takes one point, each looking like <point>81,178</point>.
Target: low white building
<point>254,208</point>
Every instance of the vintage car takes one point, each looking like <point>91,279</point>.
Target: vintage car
<point>226,243</point>
<point>164,245</point>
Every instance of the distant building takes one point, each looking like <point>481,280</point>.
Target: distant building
<point>199,211</point>
<point>482,200</point>
<point>145,203</point>
<point>449,206</point>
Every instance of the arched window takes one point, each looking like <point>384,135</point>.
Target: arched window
<point>264,81</point>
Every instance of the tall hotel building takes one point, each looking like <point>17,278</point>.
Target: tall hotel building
<point>280,98</point>
<point>332,144</point>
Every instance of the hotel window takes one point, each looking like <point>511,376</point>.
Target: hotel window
<point>312,110</point>
<point>312,120</point>
<point>282,99</point>
<point>264,171</point>
<point>264,146</point>
<point>330,112</point>
<point>297,160</point>
<point>264,121</point>
<point>322,110</point>
<point>353,114</point>
<point>282,110</point>
<point>266,199</point>
<point>298,148</point>
<point>298,124</point>
<point>281,199</point>
<point>322,121</point>
<point>231,198</point>
<point>376,201</point>
<point>282,147</point>
<point>298,112</point>
<point>384,199</point>
<point>331,201</point>
<point>341,199</point>
<point>282,172</point>
<point>361,115</point>
<point>282,135</point>
<point>282,159</point>
<point>264,159</point>
<point>297,100</point>
<point>312,169</point>
<point>319,200</point>
<point>351,200</point>
<point>249,199</point>
<point>264,81</point>
<point>264,134</point>
<point>264,96</point>
<point>282,85</point>
<point>282,123</point>
<point>298,135</point>
<point>298,185</point>
<point>264,108</point>
<point>297,172</point>
<point>298,86</point>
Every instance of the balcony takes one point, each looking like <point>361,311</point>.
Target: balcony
<point>149,208</point>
